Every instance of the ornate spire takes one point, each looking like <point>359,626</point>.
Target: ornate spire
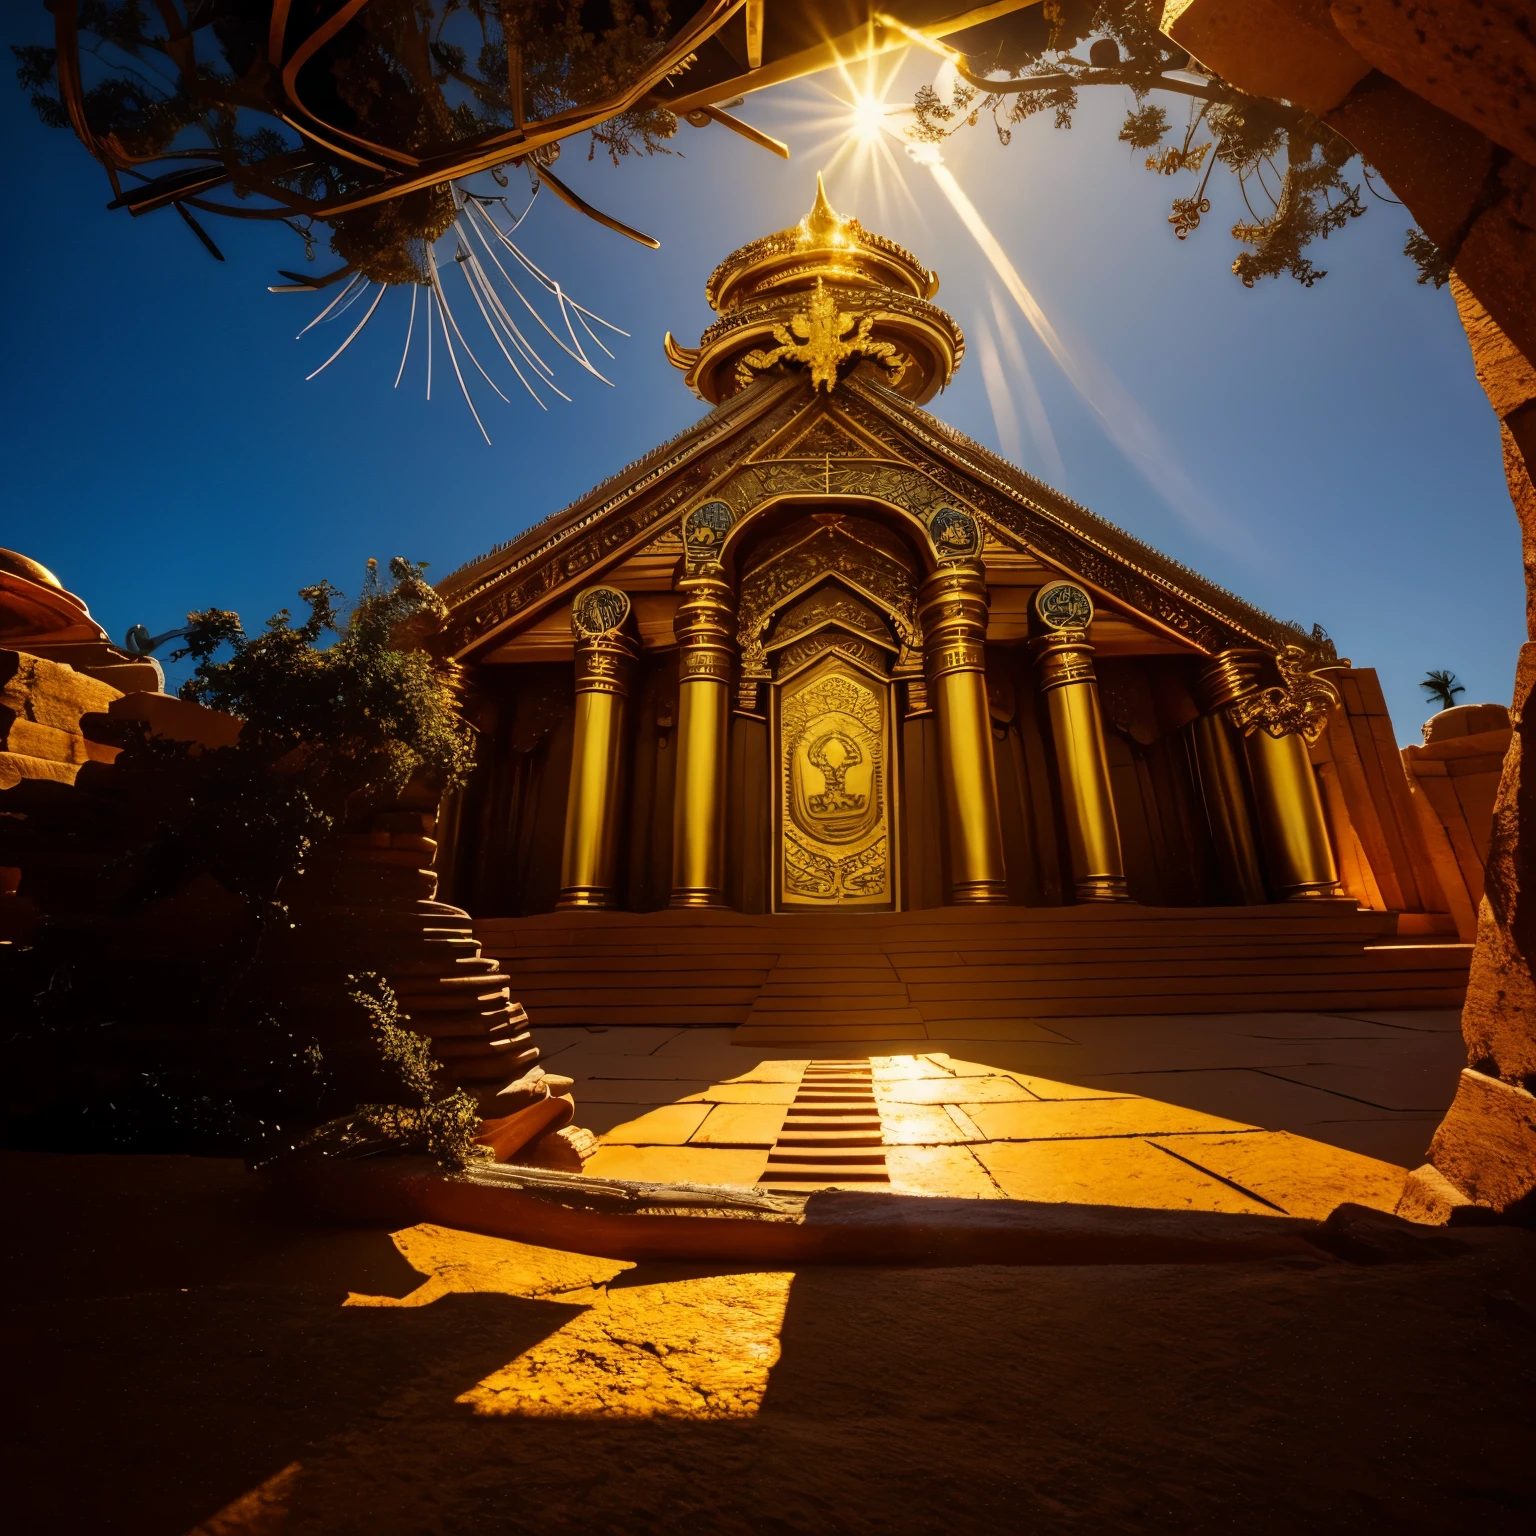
<point>822,222</point>
<point>822,295</point>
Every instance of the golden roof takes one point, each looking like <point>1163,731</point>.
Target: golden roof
<point>824,294</point>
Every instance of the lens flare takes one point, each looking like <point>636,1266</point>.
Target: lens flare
<point>868,114</point>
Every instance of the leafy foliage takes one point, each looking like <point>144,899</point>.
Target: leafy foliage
<point>137,1016</point>
<point>1442,688</point>
<point>1290,168</point>
<point>444,1128</point>
<point>419,76</point>
<point>1434,269</point>
<point>357,713</point>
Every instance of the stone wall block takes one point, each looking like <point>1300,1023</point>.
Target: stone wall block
<point>1497,256</point>
<point>1522,491</point>
<point>1429,1198</point>
<point>1486,1145</point>
<point>1508,377</point>
<point>1499,1019</point>
<point>1283,48</point>
<point>1441,168</point>
<point>1475,59</point>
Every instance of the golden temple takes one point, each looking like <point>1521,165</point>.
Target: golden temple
<point>822,654</point>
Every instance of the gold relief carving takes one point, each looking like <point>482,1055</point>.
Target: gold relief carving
<point>1300,706</point>
<point>819,336</point>
<point>1063,605</point>
<point>705,663</point>
<point>954,534</point>
<point>954,619</point>
<point>832,736</point>
<point>831,606</point>
<point>869,571</point>
<point>795,656</point>
<point>1062,659</point>
<point>598,611</point>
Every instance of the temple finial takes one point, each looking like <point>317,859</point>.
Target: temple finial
<point>823,219</point>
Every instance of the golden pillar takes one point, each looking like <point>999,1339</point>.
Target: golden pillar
<point>706,655</point>
<point>1064,671</point>
<point>1219,756</point>
<point>604,661</point>
<point>953,610</point>
<point>1277,725</point>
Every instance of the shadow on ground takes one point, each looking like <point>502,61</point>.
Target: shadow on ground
<point>1290,1395</point>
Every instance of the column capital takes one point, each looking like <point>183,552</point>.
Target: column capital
<point>952,608</point>
<point>605,651</point>
<point>705,629</point>
<point>1298,706</point>
<point>1061,658</point>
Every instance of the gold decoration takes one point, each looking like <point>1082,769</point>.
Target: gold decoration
<point>703,630</point>
<point>954,620</point>
<point>1300,706</point>
<point>1064,672</point>
<point>804,560</point>
<point>605,658</point>
<point>828,607</point>
<point>833,745</point>
<point>818,335</point>
<point>598,611</point>
<point>800,652</point>
<point>787,288</point>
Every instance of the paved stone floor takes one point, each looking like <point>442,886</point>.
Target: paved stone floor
<point>183,1359</point>
<point>1282,1112</point>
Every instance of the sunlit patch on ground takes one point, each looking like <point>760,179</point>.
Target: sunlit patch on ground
<point>651,1342</point>
<point>966,1129</point>
<point>697,1348</point>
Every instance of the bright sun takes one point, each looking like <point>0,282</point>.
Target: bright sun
<point>869,114</point>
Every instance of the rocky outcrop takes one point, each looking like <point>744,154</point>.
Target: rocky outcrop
<point>1454,782</point>
<point>1440,97</point>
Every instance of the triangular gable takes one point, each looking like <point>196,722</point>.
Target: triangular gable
<point>778,438</point>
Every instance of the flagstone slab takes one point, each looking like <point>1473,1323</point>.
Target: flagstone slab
<point>1114,1172</point>
<point>920,1125</point>
<point>741,1125</point>
<point>1303,1177</point>
<point>747,1093</point>
<point>1041,1120</point>
<point>671,1125</point>
<point>997,1089</point>
<point>951,1171</point>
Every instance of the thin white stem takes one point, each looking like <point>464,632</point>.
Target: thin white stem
<point>429,343</point>
<point>350,339</point>
<point>357,277</point>
<point>519,340</point>
<point>410,325</point>
<point>442,310</point>
<point>471,279</point>
<point>442,304</point>
<point>578,354</point>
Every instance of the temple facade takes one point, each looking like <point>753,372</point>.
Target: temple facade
<point>822,651</point>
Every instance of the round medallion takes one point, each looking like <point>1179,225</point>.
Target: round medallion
<point>598,611</point>
<point>1064,605</point>
<point>705,528</point>
<point>954,533</point>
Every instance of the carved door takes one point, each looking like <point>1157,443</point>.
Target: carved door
<point>834,835</point>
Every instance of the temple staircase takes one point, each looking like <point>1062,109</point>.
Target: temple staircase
<point>960,971</point>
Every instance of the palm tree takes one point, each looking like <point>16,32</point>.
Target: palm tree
<point>1442,687</point>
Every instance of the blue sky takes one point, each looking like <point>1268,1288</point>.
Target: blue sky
<point>1327,454</point>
